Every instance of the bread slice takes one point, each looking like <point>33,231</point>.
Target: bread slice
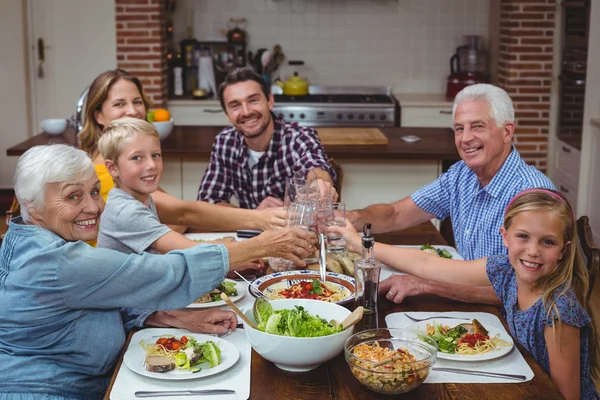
<point>158,364</point>
<point>346,262</point>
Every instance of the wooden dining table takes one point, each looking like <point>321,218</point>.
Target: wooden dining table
<point>333,380</point>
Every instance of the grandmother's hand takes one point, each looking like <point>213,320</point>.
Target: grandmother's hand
<point>214,321</point>
<point>293,244</point>
<point>270,218</point>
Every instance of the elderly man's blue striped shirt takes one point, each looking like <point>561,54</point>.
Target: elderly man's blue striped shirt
<point>477,212</point>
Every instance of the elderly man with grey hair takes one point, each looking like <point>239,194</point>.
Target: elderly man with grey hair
<point>61,318</point>
<point>474,192</point>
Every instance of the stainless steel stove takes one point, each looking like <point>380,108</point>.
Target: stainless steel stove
<point>338,106</point>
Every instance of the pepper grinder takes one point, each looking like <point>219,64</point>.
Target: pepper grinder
<point>366,278</point>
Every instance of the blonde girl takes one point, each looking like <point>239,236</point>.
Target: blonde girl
<point>542,284</point>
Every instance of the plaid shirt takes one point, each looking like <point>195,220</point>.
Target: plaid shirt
<point>293,148</point>
<point>478,213</point>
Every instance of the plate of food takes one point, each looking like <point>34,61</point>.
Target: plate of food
<point>210,236</point>
<point>304,284</point>
<point>438,250</point>
<point>464,341</point>
<point>177,354</point>
<point>213,298</point>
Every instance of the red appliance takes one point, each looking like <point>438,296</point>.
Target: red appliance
<point>468,66</point>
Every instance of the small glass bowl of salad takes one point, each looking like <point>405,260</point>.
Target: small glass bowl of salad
<point>389,361</point>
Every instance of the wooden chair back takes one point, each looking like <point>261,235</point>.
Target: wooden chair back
<point>591,253</point>
<point>340,176</point>
<point>13,211</point>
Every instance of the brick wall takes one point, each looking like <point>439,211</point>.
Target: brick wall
<point>142,44</point>
<point>525,71</point>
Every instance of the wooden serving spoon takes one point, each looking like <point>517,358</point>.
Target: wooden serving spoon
<point>351,319</point>
<point>235,308</point>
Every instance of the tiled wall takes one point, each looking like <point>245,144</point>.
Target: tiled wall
<point>405,44</point>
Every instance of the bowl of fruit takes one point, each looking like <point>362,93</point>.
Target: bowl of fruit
<point>162,121</point>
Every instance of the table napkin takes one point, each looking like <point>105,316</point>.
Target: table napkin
<point>236,378</point>
<point>511,363</point>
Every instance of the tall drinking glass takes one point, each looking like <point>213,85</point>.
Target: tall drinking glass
<point>299,215</point>
<point>336,242</point>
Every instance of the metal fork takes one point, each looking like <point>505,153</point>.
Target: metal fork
<point>322,258</point>
<point>435,316</point>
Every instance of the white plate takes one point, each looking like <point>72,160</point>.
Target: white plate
<point>493,330</point>
<point>272,283</point>
<point>450,249</point>
<point>211,235</point>
<point>221,303</point>
<point>135,355</point>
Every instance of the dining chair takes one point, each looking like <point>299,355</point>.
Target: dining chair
<point>13,211</point>
<point>340,176</point>
<point>591,253</point>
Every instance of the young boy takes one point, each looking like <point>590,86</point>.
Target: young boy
<point>129,223</point>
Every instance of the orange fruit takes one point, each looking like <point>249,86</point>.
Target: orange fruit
<point>162,115</point>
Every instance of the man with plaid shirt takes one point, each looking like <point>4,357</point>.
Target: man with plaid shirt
<point>474,192</point>
<point>252,159</point>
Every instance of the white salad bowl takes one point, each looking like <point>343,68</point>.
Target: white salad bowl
<point>299,354</point>
<point>164,128</point>
<point>54,126</point>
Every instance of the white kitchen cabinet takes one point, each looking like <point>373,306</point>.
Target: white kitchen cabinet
<point>426,110</point>
<point>197,112</point>
<point>428,117</point>
<point>171,179</point>
<point>192,173</point>
<point>566,171</point>
<point>365,182</point>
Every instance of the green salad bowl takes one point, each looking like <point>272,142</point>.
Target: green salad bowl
<point>299,354</point>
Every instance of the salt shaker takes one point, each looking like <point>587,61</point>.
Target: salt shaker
<point>366,277</point>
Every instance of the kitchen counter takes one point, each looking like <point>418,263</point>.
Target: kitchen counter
<point>195,142</point>
<point>372,173</point>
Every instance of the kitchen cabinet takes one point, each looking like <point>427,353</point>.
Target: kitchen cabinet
<point>197,112</point>
<point>424,110</point>
<point>191,174</point>
<point>365,182</point>
<point>566,170</point>
<point>171,180</point>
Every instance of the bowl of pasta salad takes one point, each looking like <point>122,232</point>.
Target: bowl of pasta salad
<point>389,361</point>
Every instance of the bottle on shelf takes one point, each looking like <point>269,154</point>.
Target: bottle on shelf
<point>366,278</point>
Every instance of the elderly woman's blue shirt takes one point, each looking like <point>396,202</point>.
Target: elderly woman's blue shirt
<point>61,329</point>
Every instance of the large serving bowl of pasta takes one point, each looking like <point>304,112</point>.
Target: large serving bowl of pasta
<point>297,335</point>
<point>389,361</point>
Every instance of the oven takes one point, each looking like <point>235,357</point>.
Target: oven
<point>339,106</point>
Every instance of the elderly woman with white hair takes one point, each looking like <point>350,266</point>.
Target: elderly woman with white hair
<point>61,325</point>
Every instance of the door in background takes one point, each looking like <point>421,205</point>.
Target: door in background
<point>70,42</point>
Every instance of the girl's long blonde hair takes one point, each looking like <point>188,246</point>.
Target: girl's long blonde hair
<point>570,271</point>
<point>97,95</point>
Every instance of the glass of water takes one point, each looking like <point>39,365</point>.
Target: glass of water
<point>337,217</point>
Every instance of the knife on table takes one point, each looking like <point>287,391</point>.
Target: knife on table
<point>202,392</point>
<point>480,373</point>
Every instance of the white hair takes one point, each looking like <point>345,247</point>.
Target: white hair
<point>501,105</point>
<point>41,165</point>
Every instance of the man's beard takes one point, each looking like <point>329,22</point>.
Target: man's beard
<point>262,129</point>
